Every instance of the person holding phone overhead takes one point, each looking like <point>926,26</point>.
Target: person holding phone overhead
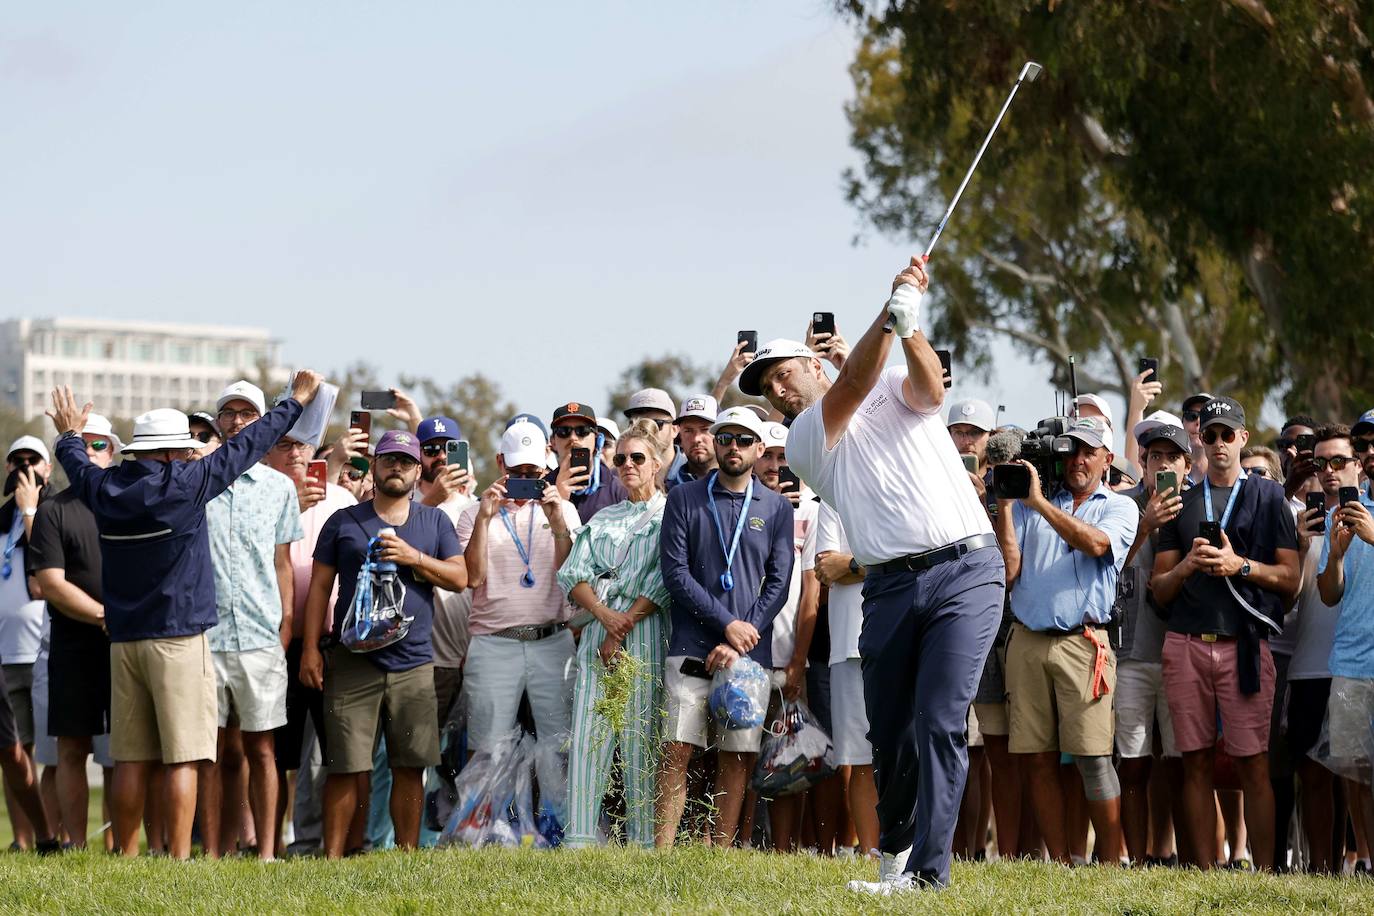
<point>582,478</point>
<point>873,445</point>
<point>1224,600</point>
<point>613,575</point>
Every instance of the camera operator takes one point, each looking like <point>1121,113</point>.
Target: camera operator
<point>1070,548</point>
<point>1223,602</point>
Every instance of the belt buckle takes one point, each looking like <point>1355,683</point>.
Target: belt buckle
<point>1208,637</point>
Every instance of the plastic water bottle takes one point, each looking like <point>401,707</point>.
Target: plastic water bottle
<point>385,569</point>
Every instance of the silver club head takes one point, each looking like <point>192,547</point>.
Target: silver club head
<point>1029,72</point>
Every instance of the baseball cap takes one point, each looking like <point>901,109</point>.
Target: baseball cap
<point>650,399</point>
<point>575,410</point>
<point>438,428</point>
<point>609,428</point>
<point>528,418</point>
<point>207,418</point>
<point>524,443</point>
<point>242,391</point>
<point>972,412</point>
<point>1167,431</point>
<point>98,425</point>
<point>772,352</point>
<point>398,442</point>
<point>29,443</point>
<point>774,435</point>
<point>1092,430</point>
<point>1224,411</point>
<point>1196,401</point>
<point>1365,423</point>
<point>1153,421</point>
<point>1096,400</point>
<point>739,416</point>
<point>701,406</point>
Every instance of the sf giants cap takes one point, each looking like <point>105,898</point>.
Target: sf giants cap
<point>701,406</point>
<point>398,442</point>
<point>1223,411</point>
<point>775,351</point>
<point>576,410</point>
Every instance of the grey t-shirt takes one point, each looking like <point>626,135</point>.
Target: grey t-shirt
<point>1133,592</point>
<point>1316,623</point>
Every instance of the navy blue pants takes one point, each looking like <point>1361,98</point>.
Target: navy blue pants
<point>924,640</point>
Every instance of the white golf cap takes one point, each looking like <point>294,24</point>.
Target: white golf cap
<point>31,444</point>
<point>771,352</point>
<point>1092,430</point>
<point>972,412</point>
<point>1096,400</point>
<point>742,417</point>
<point>242,390</point>
<point>761,411</point>
<point>1154,421</point>
<point>701,406</point>
<point>160,429</point>
<point>774,435</point>
<point>97,425</point>
<point>651,399</point>
<point>608,427</point>
<point>524,443</point>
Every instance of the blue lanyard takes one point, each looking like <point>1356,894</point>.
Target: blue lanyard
<point>727,578</point>
<point>527,580</point>
<point>1230,502</point>
<point>8,569</point>
<point>595,483</point>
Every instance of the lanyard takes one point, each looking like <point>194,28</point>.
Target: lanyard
<point>8,569</point>
<point>527,580</point>
<point>1230,502</point>
<point>727,578</point>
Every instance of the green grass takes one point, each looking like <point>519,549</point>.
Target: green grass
<point>688,880</point>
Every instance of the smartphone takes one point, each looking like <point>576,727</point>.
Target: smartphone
<point>360,419</point>
<point>822,322</point>
<point>1165,481</point>
<point>581,458</point>
<point>946,361</point>
<point>317,473</point>
<point>1318,501</point>
<point>1305,443</point>
<point>970,463</point>
<point>379,400</point>
<point>750,339</point>
<point>785,475</point>
<point>525,488</point>
<point>694,667</point>
<point>1211,532</point>
<point>1348,495</point>
<point>1151,365</point>
<point>456,452</point>
<point>1011,481</point>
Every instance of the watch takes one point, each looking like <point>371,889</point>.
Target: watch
<point>1244,568</point>
<point>30,512</point>
<point>854,566</point>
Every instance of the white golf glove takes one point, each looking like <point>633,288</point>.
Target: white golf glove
<point>904,308</point>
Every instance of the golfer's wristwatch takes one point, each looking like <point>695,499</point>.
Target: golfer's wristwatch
<point>1244,568</point>
<point>854,566</point>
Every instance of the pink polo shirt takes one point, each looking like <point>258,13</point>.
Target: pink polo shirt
<point>501,601</point>
<point>303,554</point>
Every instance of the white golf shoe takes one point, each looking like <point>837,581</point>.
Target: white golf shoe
<point>890,868</point>
<point>900,885</point>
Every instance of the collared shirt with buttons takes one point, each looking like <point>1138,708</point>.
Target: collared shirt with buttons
<point>1061,588</point>
<point>247,522</point>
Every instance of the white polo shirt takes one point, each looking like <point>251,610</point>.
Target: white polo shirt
<point>785,624</point>
<point>895,477</point>
<point>846,600</point>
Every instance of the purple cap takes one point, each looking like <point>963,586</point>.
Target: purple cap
<point>398,442</point>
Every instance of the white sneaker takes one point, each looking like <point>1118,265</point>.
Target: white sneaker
<point>902,884</point>
<point>890,868</point>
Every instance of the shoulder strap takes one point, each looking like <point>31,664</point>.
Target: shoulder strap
<point>654,510</point>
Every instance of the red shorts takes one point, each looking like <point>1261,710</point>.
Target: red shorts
<point>1201,680</point>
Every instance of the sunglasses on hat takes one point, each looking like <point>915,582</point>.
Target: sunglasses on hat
<point>637,457</point>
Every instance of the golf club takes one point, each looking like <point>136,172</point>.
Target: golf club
<point>1028,74</point>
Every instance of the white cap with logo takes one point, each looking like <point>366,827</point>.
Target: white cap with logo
<point>774,435</point>
<point>701,406</point>
<point>243,390</point>
<point>524,443</point>
<point>972,412</point>
<point>750,380</point>
<point>742,417</point>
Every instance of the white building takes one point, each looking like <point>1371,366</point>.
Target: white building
<point>127,367</point>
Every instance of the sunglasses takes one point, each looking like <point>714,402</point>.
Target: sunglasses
<point>566,432</point>
<point>355,474</point>
<point>1211,436</point>
<point>283,445</point>
<point>204,435</point>
<point>657,421</point>
<point>1335,462</point>
<point>743,440</point>
<point>98,445</point>
<point>1258,472</point>
<point>637,457</point>
<point>432,449</point>
<point>525,475</point>
<point>1362,445</point>
<point>1190,416</point>
<point>403,461</point>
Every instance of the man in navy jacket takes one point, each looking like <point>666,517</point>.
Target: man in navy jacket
<point>159,592</point>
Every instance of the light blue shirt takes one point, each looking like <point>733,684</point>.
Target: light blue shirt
<point>246,523</point>
<point>1352,649</point>
<point>1061,588</point>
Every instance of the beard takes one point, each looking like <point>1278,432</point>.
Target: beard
<point>394,485</point>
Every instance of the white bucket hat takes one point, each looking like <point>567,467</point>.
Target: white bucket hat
<point>160,429</point>
<point>97,425</point>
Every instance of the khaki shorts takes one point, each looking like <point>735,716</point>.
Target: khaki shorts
<point>358,695</point>
<point>162,700</point>
<point>992,719</point>
<point>1049,690</point>
<point>689,719</point>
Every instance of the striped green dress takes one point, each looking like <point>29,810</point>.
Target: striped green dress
<point>594,737</point>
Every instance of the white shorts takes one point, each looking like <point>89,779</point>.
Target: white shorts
<point>1140,701</point>
<point>689,716</point>
<point>848,716</point>
<point>1350,711</point>
<point>975,735</point>
<point>44,744</point>
<point>252,684</point>
<point>499,670</point>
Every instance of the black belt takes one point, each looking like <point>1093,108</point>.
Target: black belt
<point>921,561</point>
<point>529,633</point>
<point>1072,631</point>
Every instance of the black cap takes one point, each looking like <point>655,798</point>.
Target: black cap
<point>1223,411</point>
<point>1196,401</point>
<point>1166,431</point>
<point>576,410</point>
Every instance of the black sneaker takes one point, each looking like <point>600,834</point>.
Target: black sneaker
<point>48,847</point>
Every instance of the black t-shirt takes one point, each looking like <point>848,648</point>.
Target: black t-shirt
<point>65,537</point>
<point>1260,525</point>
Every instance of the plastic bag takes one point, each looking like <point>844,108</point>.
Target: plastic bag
<point>522,818</point>
<point>376,616</point>
<point>739,694</point>
<point>1354,757</point>
<point>442,798</point>
<point>551,773</point>
<point>796,753</point>
<point>486,788</point>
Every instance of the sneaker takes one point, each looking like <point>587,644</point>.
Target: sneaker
<point>48,847</point>
<point>890,868</point>
<point>900,885</point>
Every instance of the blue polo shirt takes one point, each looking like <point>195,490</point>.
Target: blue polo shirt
<point>1352,649</point>
<point>157,579</point>
<point>693,560</point>
<point>1061,588</point>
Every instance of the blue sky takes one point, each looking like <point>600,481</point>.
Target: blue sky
<point>443,188</point>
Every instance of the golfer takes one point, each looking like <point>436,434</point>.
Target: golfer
<point>873,445</point>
